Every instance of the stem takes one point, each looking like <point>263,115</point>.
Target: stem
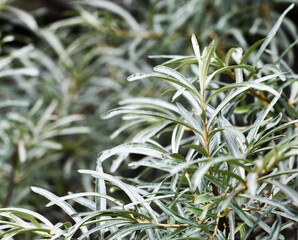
<point>11,184</point>
<point>216,227</point>
<point>206,140</point>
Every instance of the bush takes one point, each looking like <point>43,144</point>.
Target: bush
<point>220,163</point>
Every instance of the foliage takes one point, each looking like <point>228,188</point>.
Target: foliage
<point>215,157</point>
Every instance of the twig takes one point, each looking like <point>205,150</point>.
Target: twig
<point>216,227</point>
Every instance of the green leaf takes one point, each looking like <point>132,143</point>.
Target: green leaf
<point>196,48</point>
<point>136,148</point>
<point>182,81</point>
<point>252,183</point>
<point>24,17</point>
<point>176,216</point>
<point>273,175</point>
<point>115,8</point>
<point>277,129</point>
<point>252,133</point>
<point>126,230</point>
<point>286,51</point>
<point>63,205</point>
<point>271,34</point>
<point>150,114</point>
<point>176,138</point>
<point>198,148</point>
<point>290,192</point>
<point>128,189</point>
<point>276,229</point>
<point>206,197</point>
<point>225,69</point>
<point>234,138</point>
<point>31,72</point>
<point>257,222</point>
<point>258,86</point>
<point>28,213</point>
<point>190,119</point>
<point>271,203</point>
<point>243,216</point>
<point>85,194</point>
<point>243,109</point>
<point>199,212</point>
<point>228,173</point>
<point>251,49</point>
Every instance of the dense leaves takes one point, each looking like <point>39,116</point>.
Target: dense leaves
<point>214,157</point>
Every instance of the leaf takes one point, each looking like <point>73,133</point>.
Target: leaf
<point>46,116</point>
<point>229,55</point>
<point>22,151</point>
<point>190,119</point>
<point>129,190</point>
<point>203,67</point>
<point>234,138</point>
<point>192,96</point>
<point>16,103</point>
<point>84,194</point>
<point>115,8</point>
<point>206,197</point>
<point>243,109</point>
<point>199,211</point>
<point>196,47</point>
<point>50,145</point>
<point>105,225</point>
<point>57,46</point>
<point>40,231</point>
<point>31,72</point>
<point>150,102</point>
<point>64,121</point>
<point>199,174</point>
<point>176,216</point>
<point>258,86</point>
<point>126,230</point>
<point>182,81</point>
<point>63,205</point>
<point>271,35</point>
<point>228,173</point>
<point>236,161</point>
<point>243,216</point>
<point>28,213</point>
<point>176,138</point>
<point>251,49</point>
<point>138,76</point>
<point>118,111</point>
<point>271,203</point>
<point>225,69</point>
<point>237,92</point>
<point>252,133</point>
<point>290,192</point>
<point>198,148</point>
<point>275,232</point>
<point>100,187</point>
<point>286,51</point>
<point>64,131</point>
<point>24,17</point>
<point>252,183</point>
<point>232,229</point>
<point>277,129</point>
<point>257,222</point>
<point>273,175</point>
<point>136,148</point>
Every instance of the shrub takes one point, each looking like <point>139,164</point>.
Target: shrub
<point>218,161</point>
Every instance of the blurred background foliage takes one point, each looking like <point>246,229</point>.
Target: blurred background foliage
<point>64,64</point>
